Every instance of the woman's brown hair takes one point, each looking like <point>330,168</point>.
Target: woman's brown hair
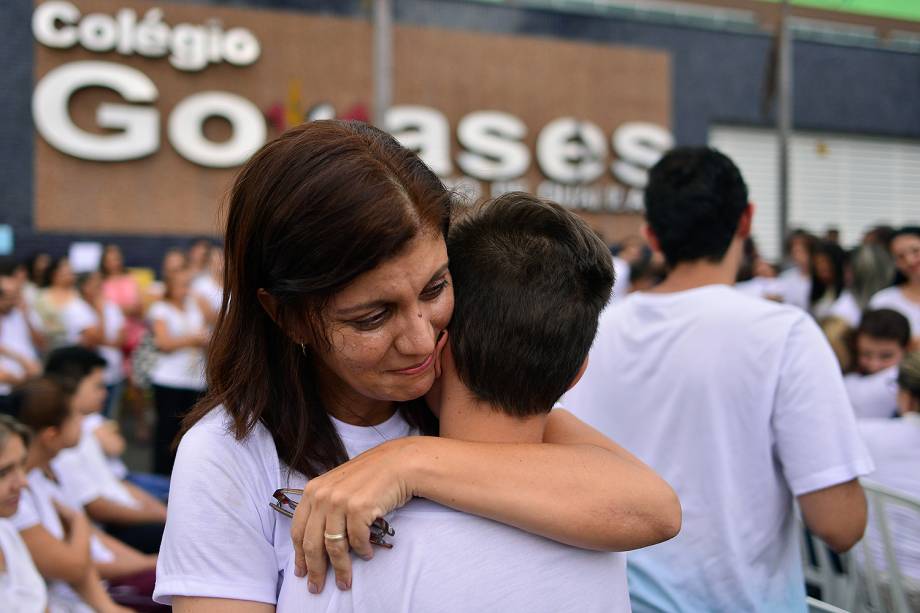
<point>310,212</point>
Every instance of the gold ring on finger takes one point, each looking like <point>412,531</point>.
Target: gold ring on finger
<point>334,537</point>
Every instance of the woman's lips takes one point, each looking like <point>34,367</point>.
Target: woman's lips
<point>418,368</point>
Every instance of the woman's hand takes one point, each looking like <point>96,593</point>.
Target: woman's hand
<point>346,501</point>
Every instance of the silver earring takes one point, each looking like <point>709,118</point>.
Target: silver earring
<point>303,349</point>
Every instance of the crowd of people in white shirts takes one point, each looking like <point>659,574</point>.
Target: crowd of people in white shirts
<point>679,350</point>
<point>72,353</point>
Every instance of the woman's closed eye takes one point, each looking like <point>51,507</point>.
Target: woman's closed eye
<point>378,317</point>
<point>434,290</point>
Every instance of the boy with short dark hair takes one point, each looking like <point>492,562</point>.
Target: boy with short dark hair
<point>737,402</point>
<point>531,279</point>
<point>129,513</point>
<point>880,343</point>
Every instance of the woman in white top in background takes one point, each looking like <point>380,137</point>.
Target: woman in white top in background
<point>22,589</point>
<point>66,318</point>
<point>829,296</point>
<point>180,336</point>
<point>904,295</point>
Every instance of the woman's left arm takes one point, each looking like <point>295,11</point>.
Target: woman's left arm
<point>577,487</point>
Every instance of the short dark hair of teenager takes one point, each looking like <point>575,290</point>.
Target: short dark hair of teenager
<point>530,281</point>
<point>693,202</point>
<point>43,402</point>
<point>73,362</point>
<point>8,266</point>
<point>885,324</point>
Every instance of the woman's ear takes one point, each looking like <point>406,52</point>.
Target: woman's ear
<point>269,303</point>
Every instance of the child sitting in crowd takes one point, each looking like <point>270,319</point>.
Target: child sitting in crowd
<point>127,512</point>
<point>64,545</point>
<point>881,341</point>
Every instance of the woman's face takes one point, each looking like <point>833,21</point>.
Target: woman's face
<point>177,285</point>
<point>63,276</point>
<point>906,252</point>
<point>798,251</point>
<point>824,269</point>
<point>12,474</point>
<point>91,288</point>
<point>112,261</point>
<point>384,326</point>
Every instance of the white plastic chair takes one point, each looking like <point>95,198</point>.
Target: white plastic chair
<point>837,588</point>
<point>890,578</point>
<point>819,606</point>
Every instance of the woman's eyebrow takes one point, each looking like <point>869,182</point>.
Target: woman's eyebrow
<point>373,304</point>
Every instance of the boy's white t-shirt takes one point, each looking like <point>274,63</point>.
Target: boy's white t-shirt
<point>895,447</point>
<point>182,368</point>
<point>22,589</point>
<point>222,540</point>
<point>893,298</point>
<point>739,404</point>
<point>15,335</point>
<point>451,562</point>
<point>36,507</point>
<point>85,472</point>
<point>875,395</point>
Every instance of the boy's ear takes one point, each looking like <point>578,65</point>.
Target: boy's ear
<point>578,375</point>
<point>746,222</point>
<point>651,238</point>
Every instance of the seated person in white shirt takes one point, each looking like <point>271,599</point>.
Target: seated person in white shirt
<point>531,280</point>
<point>895,447</point>
<point>67,550</point>
<point>881,342</point>
<point>129,513</point>
<point>22,588</point>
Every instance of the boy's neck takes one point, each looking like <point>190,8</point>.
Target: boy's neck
<point>465,418</point>
<point>699,273</point>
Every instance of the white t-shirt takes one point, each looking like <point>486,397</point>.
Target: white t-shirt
<point>895,447</point>
<point>447,561</point>
<point>22,589</point>
<point>15,335</point>
<point>206,287</point>
<point>761,287</point>
<point>795,288</point>
<point>875,395</point>
<point>621,272</point>
<point>739,404</point>
<point>844,307</point>
<point>36,508</point>
<point>222,540</point>
<point>84,470</point>
<point>110,350</point>
<point>77,317</point>
<point>182,368</point>
<point>893,298</point>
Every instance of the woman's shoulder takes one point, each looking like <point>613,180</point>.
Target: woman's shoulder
<point>886,296</point>
<point>216,432</point>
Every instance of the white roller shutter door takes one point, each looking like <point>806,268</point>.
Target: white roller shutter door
<point>848,182</point>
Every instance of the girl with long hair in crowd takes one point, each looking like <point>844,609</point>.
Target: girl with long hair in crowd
<point>904,295</point>
<point>829,296</point>
<point>337,298</point>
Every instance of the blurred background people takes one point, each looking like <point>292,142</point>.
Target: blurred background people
<point>904,295</point>
<point>880,344</point>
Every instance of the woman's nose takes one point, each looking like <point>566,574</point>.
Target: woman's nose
<point>417,337</point>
